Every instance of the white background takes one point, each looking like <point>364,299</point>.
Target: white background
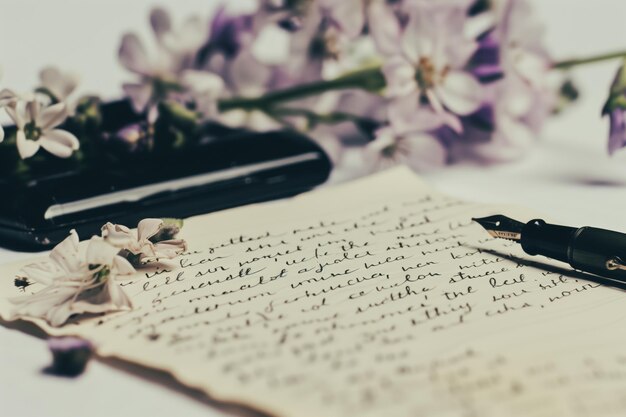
<point>568,176</point>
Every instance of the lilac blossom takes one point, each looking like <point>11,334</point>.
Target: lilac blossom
<point>513,66</point>
<point>431,67</point>
<point>160,74</point>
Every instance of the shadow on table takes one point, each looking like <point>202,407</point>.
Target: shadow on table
<point>567,272</point>
<point>151,375</point>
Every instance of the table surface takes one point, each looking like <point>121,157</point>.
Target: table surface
<point>568,176</point>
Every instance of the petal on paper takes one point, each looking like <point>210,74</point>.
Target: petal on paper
<point>25,147</point>
<point>117,295</point>
<point>118,235</point>
<point>170,248</point>
<point>133,56</point>
<point>139,95</point>
<point>42,272</point>
<point>148,228</point>
<point>51,304</point>
<point>99,252</point>
<point>59,142</point>
<point>122,266</point>
<point>66,254</point>
<point>460,92</point>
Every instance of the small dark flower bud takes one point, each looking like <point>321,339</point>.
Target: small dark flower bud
<point>169,230</point>
<point>69,356</point>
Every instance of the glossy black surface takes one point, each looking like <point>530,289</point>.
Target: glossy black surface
<point>215,149</point>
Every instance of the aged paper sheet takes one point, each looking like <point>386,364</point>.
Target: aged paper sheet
<point>378,297</point>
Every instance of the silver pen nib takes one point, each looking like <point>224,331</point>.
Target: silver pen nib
<point>502,227</point>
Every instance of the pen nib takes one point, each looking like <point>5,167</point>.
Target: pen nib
<point>502,227</point>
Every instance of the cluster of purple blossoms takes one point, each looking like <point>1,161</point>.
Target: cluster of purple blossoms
<point>446,79</point>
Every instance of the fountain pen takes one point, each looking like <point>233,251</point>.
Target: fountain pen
<point>588,249</point>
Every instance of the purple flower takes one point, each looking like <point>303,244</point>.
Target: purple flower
<point>513,67</point>
<point>431,67</point>
<point>617,130</point>
<point>229,33</point>
<point>615,108</point>
<point>485,64</point>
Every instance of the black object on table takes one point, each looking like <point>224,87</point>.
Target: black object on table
<point>224,168</point>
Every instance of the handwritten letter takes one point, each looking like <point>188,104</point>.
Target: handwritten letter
<point>374,298</point>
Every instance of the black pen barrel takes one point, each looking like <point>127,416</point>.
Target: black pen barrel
<point>588,249</point>
<point>541,238</point>
<point>592,248</point>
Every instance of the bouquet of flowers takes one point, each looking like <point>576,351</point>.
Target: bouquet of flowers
<point>376,82</point>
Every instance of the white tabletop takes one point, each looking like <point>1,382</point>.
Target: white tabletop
<point>568,176</point>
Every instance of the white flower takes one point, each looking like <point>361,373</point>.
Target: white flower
<point>36,125</point>
<point>138,243</point>
<point>420,151</point>
<point>434,51</point>
<point>59,84</point>
<point>78,278</point>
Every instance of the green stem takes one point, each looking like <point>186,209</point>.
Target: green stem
<point>570,63</point>
<point>370,79</point>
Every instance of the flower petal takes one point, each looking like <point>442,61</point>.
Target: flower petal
<point>122,266</point>
<point>133,56</point>
<point>160,21</point>
<point>617,131</point>
<point>202,82</point>
<point>399,76</point>
<point>99,252</point>
<point>460,92</point>
<point>51,116</point>
<point>384,27</point>
<point>59,142</point>
<point>170,248</point>
<point>6,97</point>
<point>118,235</point>
<point>139,95</point>
<point>148,228</point>
<point>42,272</point>
<point>58,83</point>
<point>66,254</point>
<point>406,114</point>
<point>25,147</point>
<point>424,152</point>
<point>348,15</point>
